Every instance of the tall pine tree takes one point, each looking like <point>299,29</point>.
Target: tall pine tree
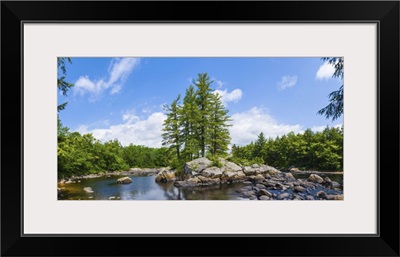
<point>190,117</point>
<point>203,99</point>
<point>219,138</point>
<point>171,136</point>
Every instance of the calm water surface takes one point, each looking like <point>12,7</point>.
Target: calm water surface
<point>145,188</point>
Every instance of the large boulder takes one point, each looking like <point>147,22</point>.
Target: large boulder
<point>165,176</point>
<point>194,167</point>
<point>212,172</point>
<point>230,166</point>
<point>315,178</point>
<point>124,180</point>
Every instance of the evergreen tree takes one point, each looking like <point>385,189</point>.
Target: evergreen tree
<point>259,146</point>
<point>334,109</point>
<point>62,84</point>
<point>203,99</point>
<point>171,137</point>
<point>189,121</point>
<point>219,138</point>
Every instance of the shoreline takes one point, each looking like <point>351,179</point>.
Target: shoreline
<point>317,172</point>
<point>132,171</point>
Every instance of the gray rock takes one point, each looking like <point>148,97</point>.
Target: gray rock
<point>335,184</point>
<point>299,189</point>
<point>264,197</point>
<point>124,180</point>
<point>230,166</point>
<point>265,192</point>
<point>294,170</point>
<point>249,171</point>
<point>315,178</point>
<point>327,179</point>
<point>289,176</point>
<point>261,186</point>
<point>196,165</point>
<point>310,197</point>
<point>322,195</point>
<point>255,166</point>
<point>165,176</point>
<point>283,196</point>
<point>259,178</point>
<point>212,172</point>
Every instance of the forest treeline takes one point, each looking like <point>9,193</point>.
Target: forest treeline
<point>309,150</point>
<point>83,154</point>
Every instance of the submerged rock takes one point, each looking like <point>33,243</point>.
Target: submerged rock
<point>124,180</point>
<point>88,190</point>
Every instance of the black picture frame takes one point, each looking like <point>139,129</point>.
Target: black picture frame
<point>383,13</point>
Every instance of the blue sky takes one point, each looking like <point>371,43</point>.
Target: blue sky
<point>122,97</point>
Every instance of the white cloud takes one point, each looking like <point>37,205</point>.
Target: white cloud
<point>325,71</point>
<point>135,130</point>
<point>227,97</point>
<point>246,126</point>
<point>287,81</point>
<point>219,83</point>
<point>118,72</point>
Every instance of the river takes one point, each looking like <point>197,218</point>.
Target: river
<point>145,188</point>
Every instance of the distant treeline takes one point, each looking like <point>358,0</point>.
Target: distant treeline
<point>310,150</point>
<point>83,154</point>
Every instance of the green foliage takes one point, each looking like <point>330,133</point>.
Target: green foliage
<point>215,161</point>
<point>171,127</point>
<point>334,109</point>
<point>199,126</point>
<point>83,154</point>
<point>62,84</point>
<point>308,150</point>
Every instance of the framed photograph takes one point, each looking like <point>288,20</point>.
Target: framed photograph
<point>182,123</point>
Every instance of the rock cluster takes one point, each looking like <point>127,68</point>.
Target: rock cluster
<point>263,182</point>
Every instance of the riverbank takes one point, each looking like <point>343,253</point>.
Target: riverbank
<point>132,171</point>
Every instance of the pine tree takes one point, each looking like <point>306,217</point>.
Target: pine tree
<point>259,146</point>
<point>171,127</point>
<point>203,99</point>
<point>219,138</point>
<point>189,122</point>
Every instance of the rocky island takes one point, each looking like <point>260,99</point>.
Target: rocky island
<point>263,182</point>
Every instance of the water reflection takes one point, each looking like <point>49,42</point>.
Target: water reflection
<point>145,188</point>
